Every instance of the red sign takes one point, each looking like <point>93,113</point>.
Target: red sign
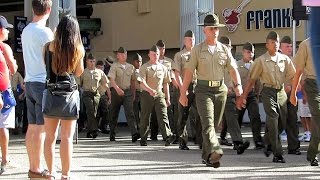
<point>232,16</point>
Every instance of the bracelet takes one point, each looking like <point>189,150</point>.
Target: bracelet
<point>237,85</point>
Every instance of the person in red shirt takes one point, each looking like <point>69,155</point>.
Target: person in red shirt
<point>7,102</point>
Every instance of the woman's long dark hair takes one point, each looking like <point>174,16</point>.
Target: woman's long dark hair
<point>68,49</point>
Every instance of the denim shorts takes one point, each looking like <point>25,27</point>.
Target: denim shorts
<point>34,94</point>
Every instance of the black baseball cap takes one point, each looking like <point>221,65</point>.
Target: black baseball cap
<point>4,23</point>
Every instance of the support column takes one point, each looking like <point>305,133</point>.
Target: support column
<point>69,6</point>
<point>54,15</point>
<point>28,10</point>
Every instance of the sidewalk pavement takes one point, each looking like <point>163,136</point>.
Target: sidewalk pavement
<point>100,159</point>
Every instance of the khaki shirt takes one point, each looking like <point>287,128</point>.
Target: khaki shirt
<point>15,80</point>
<point>169,64</point>
<point>243,69</point>
<point>303,59</point>
<point>137,83</point>
<point>122,76</point>
<point>91,81</point>
<point>154,75</point>
<point>227,79</point>
<point>180,60</point>
<point>102,90</point>
<point>271,72</point>
<point>210,66</point>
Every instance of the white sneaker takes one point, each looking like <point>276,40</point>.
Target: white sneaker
<point>302,137</point>
<point>283,136</point>
<point>307,137</point>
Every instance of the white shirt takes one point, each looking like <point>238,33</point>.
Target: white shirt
<point>274,58</point>
<point>211,49</point>
<point>34,37</point>
<point>247,65</point>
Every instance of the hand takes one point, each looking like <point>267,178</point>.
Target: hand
<point>287,89</point>
<point>230,90</point>
<point>183,99</point>
<point>109,101</point>
<point>293,100</point>
<point>304,100</point>
<point>176,85</point>
<point>21,97</point>
<point>120,92</point>
<point>23,86</point>
<point>238,90</point>
<point>241,102</point>
<point>153,93</point>
<point>168,102</point>
<point>1,103</point>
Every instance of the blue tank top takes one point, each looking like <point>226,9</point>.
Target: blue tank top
<point>299,95</point>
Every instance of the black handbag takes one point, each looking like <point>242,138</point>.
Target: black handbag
<point>60,98</point>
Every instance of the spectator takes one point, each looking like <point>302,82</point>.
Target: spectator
<point>17,86</point>
<point>7,102</point>
<point>34,36</point>
<point>64,62</point>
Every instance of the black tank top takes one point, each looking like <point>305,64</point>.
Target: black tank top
<point>56,78</point>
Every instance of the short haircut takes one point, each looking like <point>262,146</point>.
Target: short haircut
<point>40,7</point>
<point>101,63</point>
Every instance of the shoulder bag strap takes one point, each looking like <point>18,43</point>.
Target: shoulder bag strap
<point>47,61</point>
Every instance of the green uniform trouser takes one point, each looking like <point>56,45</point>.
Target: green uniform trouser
<point>313,95</point>
<point>172,114</point>
<point>174,99</point>
<point>183,114</point>
<point>91,102</point>
<point>104,111</point>
<point>116,102</point>
<point>18,108</point>
<point>154,127</point>
<point>148,104</point>
<point>253,112</point>
<point>231,118</point>
<point>137,108</point>
<point>195,125</point>
<point>210,104</point>
<point>292,128</point>
<point>275,105</point>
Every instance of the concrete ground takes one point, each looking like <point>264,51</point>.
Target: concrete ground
<point>101,159</point>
